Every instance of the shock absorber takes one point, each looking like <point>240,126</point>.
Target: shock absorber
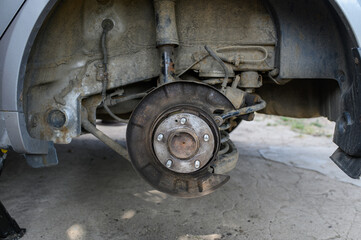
<point>167,38</point>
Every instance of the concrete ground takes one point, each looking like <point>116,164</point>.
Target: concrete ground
<point>94,194</point>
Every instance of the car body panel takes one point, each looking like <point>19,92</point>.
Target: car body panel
<point>8,10</point>
<point>352,12</point>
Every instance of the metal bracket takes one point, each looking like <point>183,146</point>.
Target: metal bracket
<point>43,160</point>
<point>122,151</point>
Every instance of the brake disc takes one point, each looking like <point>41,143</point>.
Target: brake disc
<point>173,139</point>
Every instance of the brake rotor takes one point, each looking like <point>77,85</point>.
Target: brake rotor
<point>173,139</point>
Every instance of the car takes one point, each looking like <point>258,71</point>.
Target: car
<point>181,74</point>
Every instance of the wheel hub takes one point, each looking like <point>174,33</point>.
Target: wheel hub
<point>180,145</point>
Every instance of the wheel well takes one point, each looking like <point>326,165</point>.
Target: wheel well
<point>307,44</point>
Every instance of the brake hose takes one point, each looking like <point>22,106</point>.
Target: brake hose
<point>223,65</point>
<point>107,25</point>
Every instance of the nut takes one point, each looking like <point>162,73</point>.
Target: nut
<point>206,138</point>
<point>169,164</point>
<point>197,164</point>
<point>183,121</point>
<point>160,137</point>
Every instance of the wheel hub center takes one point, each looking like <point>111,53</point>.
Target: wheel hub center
<point>183,142</point>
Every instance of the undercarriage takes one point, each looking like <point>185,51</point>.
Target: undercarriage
<point>183,75</point>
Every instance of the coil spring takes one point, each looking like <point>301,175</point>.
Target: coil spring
<point>224,143</point>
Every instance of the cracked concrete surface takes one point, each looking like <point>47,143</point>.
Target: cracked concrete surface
<point>93,194</point>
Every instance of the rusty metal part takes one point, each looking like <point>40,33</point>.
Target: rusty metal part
<point>167,64</point>
<point>228,121</point>
<point>87,125</point>
<point>91,104</point>
<point>59,98</point>
<point>242,57</point>
<point>236,96</point>
<point>114,99</point>
<point>236,55</point>
<point>227,158</point>
<point>236,81</point>
<point>225,126</point>
<point>224,149</point>
<point>239,59</point>
<point>165,20</point>
<point>224,137</point>
<point>273,76</point>
<point>184,143</point>
<point>225,69</point>
<point>250,80</point>
<point>215,81</point>
<point>183,97</point>
<point>246,110</point>
<point>166,37</point>
<point>56,118</point>
<point>210,68</point>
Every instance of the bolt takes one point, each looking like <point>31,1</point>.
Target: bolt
<point>218,120</point>
<point>169,164</point>
<point>56,119</point>
<point>183,121</point>
<point>206,138</point>
<point>160,137</point>
<point>107,24</point>
<point>197,164</point>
